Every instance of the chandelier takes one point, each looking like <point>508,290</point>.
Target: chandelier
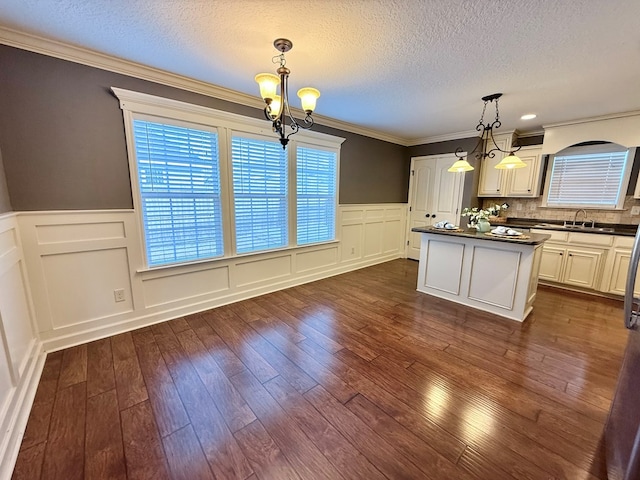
<point>508,162</point>
<point>277,109</point>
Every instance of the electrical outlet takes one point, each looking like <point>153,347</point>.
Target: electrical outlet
<point>635,210</point>
<point>118,294</point>
<point>353,250</point>
<point>519,207</point>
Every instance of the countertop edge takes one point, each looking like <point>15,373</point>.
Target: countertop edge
<point>534,238</point>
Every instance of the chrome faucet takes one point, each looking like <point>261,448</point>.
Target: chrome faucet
<point>575,217</point>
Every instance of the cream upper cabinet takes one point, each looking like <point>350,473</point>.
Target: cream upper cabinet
<point>526,182</point>
<point>492,180</point>
<point>521,182</point>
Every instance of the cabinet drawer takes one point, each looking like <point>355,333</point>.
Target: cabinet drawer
<point>556,235</point>
<point>624,242</point>
<point>590,239</point>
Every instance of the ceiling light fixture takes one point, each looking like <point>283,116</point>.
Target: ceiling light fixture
<point>508,162</point>
<point>528,116</point>
<point>277,109</point>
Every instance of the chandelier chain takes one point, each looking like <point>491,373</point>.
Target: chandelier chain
<point>279,59</point>
<point>481,122</point>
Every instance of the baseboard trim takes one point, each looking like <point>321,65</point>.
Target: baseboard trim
<point>17,414</point>
<point>53,344</point>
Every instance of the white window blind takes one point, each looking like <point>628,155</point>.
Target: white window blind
<point>587,179</point>
<point>260,194</point>
<point>316,195</point>
<point>179,181</point>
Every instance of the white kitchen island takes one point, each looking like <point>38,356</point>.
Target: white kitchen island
<point>494,274</point>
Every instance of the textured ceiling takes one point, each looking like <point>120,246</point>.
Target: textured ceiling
<point>411,69</point>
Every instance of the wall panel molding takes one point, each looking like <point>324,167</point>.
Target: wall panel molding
<point>21,358</point>
<point>57,246</point>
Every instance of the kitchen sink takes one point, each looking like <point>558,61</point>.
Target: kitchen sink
<point>581,228</point>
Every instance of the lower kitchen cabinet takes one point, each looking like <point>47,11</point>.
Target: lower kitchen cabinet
<point>576,259</point>
<point>571,266</point>
<point>618,282</point>
<point>582,267</point>
<point>552,263</point>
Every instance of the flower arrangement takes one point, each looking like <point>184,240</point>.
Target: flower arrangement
<point>476,214</point>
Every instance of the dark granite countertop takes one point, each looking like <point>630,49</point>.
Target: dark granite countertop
<point>528,239</point>
<point>599,228</point>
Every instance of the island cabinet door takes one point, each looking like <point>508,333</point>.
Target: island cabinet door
<point>551,263</point>
<point>581,268</point>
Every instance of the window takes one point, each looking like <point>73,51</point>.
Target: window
<point>179,182</point>
<point>593,176</point>
<point>316,172</point>
<point>209,184</point>
<point>260,194</point>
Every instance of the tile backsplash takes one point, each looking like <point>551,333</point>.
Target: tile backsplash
<point>530,208</point>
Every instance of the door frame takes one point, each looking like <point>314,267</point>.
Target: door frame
<point>407,232</point>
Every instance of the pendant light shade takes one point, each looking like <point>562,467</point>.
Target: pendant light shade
<point>268,83</point>
<point>460,166</point>
<point>308,97</point>
<point>509,162</point>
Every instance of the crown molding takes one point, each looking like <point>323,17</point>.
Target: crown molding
<point>444,138</point>
<point>531,133</point>
<point>600,118</point>
<point>92,58</point>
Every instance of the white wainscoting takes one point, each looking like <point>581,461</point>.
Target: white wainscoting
<point>76,259</point>
<point>21,360</point>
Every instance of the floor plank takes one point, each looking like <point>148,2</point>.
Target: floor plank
<point>266,458</point>
<point>64,455</point>
<point>185,457</point>
<point>143,450</point>
<point>104,454</point>
<point>129,381</point>
<point>74,366</point>
<point>100,376</point>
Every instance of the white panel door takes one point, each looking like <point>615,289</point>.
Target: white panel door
<point>447,189</point>
<point>422,178</point>
<point>434,195</point>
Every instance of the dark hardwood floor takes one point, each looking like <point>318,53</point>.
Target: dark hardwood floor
<point>356,376</point>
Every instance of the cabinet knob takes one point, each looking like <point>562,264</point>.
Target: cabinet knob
<point>428,215</point>
<point>571,255</point>
<point>528,190</point>
<point>433,216</point>
<point>560,253</point>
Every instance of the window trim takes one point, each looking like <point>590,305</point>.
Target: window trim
<point>601,148</point>
<point>136,105</point>
<point>294,191</point>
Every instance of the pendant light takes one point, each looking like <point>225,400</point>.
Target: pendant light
<point>485,140</point>
<point>277,108</point>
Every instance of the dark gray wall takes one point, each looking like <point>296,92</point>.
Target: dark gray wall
<point>63,143</point>
<point>5,204</point>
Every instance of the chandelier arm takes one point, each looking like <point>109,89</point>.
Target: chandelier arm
<point>459,150</point>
